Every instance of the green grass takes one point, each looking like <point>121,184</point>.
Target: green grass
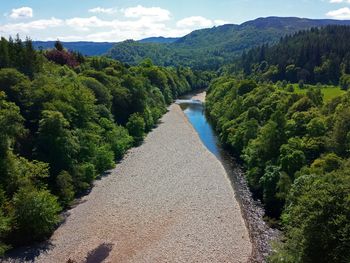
<point>329,92</point>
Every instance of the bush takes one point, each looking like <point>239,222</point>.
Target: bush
<point>136,126</point>
<point>317,220</point>
<point>345,82</point>
<point>104,159</point>
<point>64,183</point>
<point>36,214</point>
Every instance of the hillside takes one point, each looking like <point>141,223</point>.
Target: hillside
<point>210,48</point>
<point>159,40</point>
<point>96,48</point>
<point>312,56</point>
<point>86,48</point>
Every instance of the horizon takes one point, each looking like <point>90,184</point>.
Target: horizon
<point>161,36</point>
<point>115,21</point>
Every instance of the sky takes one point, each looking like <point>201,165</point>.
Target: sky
<point>118,20</point>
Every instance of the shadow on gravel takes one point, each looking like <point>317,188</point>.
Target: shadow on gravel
<point>28,254</point>
<point>99,254</point>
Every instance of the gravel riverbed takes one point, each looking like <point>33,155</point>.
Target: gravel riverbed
<point>169,200</point>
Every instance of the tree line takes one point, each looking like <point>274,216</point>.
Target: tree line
<point>64,120</point>
<point>319,55</point>
<point>295,147</point>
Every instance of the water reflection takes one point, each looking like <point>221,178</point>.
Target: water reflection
<point>194,111</point>
<point>260,233</point>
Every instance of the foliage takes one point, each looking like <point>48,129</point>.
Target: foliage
<point>136,126</point>
<point>319,55</point>
<point>211,48</point>
<point>317,220</point>
<point>36,214</point>
<point>294,147</point>
<point>62,124</point>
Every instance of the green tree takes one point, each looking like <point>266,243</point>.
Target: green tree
<point>317,220</point>
<point>56,144</point>
<point>65,189</point>
<point>35,213</point>
<point>136,126</point>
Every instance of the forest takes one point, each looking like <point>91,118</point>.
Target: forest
<point>64,120</point>
<point>319,55</point>
<point>294,146</point>
<point>212,48</point>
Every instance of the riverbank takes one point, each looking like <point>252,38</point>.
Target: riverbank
<point>169,200</point>
<point>261,234</point>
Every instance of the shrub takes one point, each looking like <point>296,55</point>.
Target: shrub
<point>36,214</point>
<point>136,126</point>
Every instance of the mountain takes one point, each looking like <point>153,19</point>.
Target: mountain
<point>86,48</point>
<point>212,47</point>
<point>96,48</point>
<point>160,40</point>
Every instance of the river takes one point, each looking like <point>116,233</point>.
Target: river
<point>260,233</point>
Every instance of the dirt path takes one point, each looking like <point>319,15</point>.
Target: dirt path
<point>168,201</point>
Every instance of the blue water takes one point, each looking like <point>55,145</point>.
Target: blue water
<point>195,113</point>
<point>252,210</point>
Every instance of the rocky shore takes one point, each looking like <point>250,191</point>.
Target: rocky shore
<point>169,200</point>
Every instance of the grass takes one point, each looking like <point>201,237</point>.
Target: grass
<point>329,92</point>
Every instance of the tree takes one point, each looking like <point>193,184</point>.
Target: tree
<point>269,182</point>
<point>58,45</point>
<point>35,213</point>
<point>345,81</point>
<point>64,185</point>
<point>136,126</point>
<point>317,220</point>
<point>56,144</point>
<point>340,131</point>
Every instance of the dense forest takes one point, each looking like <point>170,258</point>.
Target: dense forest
<point>211,48</point>
<point>314,56</point>
<point>64,120</point>
<point>294,146</point>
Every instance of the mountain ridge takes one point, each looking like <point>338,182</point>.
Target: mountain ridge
<point>210,48</point>
<point>207,48</point>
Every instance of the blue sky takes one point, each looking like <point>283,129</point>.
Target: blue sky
<point>116,20</point>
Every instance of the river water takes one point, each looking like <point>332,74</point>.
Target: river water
<point>261,234</point>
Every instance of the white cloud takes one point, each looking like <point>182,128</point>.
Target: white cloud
<point>12,29</point>
<point>22,12</point>
<point>195,22</point>
<point>133,23</point>
<point>219,22</point>
<point>84,24</point>
<point>339,1</point>
<point>155,13</point>
<point>342,13</point>
<point>101,10</point>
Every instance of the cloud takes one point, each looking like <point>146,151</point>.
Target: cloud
<point>342,13</point>
<point>101,10</point>
<point>339,1</point>
<point>84,24</point>
<point>219,22</point>
<point>155,13</point>
<point>194,22</point>
<point>22,12</point>
<point>197,22</point>
<point>14,28</point>
<point>132,23</point>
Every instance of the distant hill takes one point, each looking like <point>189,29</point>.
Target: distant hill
<point>160,40</point>
<point>86,48</point>
<point>210,48</point>
<point>96,48</point>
